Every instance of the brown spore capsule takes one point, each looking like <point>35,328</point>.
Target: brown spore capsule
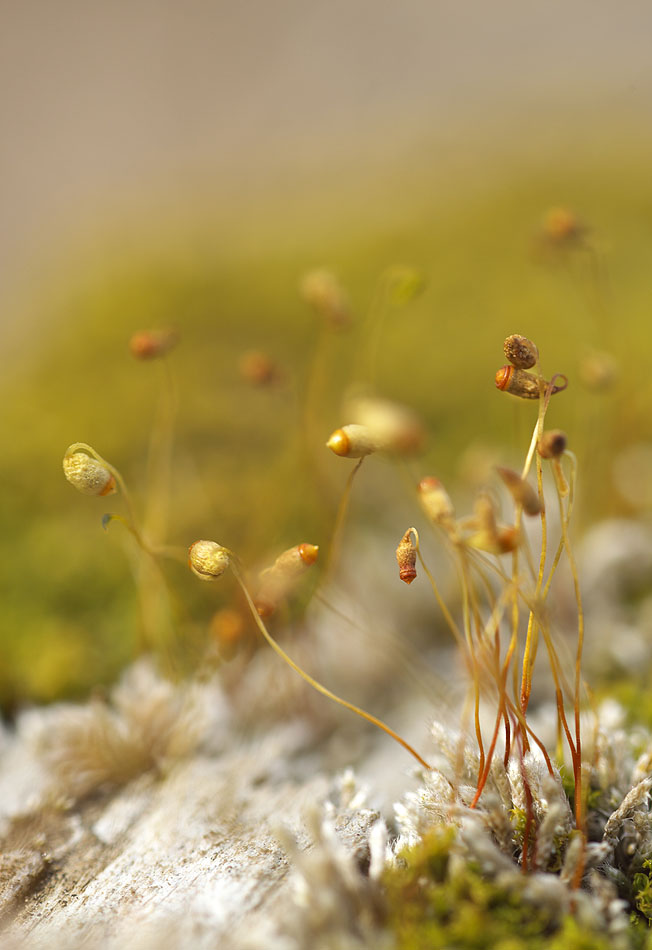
<point>521,491</point>
<point>520,351</point>
<point>552,444</point>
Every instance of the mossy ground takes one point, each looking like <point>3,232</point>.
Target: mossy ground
<point>435,907</point>
<point>242,472</point>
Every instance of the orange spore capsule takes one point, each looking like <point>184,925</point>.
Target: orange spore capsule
<point>503,376</point>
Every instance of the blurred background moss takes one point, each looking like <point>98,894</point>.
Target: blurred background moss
<point>159,198</point>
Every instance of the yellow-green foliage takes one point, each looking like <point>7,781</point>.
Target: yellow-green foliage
<point>432,907</point>
<point>642,890</point>
<point>242,470</point>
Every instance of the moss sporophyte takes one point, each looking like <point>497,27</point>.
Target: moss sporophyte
<point>532,798</point>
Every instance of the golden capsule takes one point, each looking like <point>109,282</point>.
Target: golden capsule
<point>208,559</point>
<point>88,475</point>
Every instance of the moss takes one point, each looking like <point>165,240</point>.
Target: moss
<point>642,890</point>
<point>434,904</point>
<point>241,464</point>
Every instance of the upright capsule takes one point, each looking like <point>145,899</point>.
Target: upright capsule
<point>520,351</point>
<point>406,557</point>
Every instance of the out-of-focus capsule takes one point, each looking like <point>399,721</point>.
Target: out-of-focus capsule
<point>258,368</point>
<point>395,428</point>
<point>521,491</point>
<point>435,501</point>
<point>562,226</point>
<point>151,344</point>
<point>227,627</point>
<point>598,371</point>
<point>278,580</point>
<point>489,536</point>
<point>324,293</point>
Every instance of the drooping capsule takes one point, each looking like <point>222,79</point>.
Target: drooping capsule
<point>227,628</point>
<point>87,475</point>
<point>435,501</point>
<point>258,369</point>
<point>406,556</point>
<point>552,444</point>
<point>395,428</point>
<point>490,536</point>
<point>323,292</point>
<point>208,559</point>
<point>521,491</point>
<point>520,351</point>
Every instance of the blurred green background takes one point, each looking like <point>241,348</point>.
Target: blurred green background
<point>219,255</point>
